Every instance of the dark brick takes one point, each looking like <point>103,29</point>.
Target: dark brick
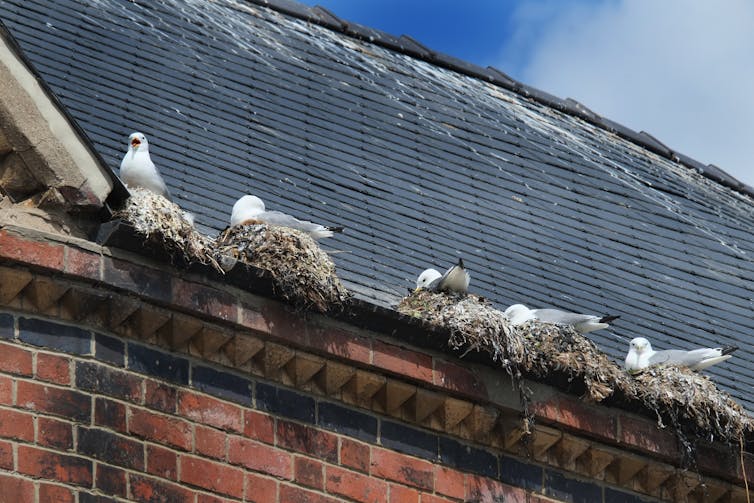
<point>112,448</point>
<point>520,474</point>
<point>160,396</point>
<point>138,279</point>
<point>110,413</point>
<point>54,335</point>
<point>222,384</point>
<point>401,438</point>
<point>307,440</point>
<point>110,350</point>
<point>347,421</point>
<point>285,403</point>
<point>54,466</point>
<point>95,498</point>
<point>6,326</point>
<point>614,496</point>
<point>98,378</point>
<point>149,490</point>
<point>569,490</point>
<point>110,480</point>
<point>467,458</point>
<point>157,364</point>
<point>67,403</point>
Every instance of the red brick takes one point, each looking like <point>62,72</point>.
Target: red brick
<point>16,424</point>
<point>15,360</point>
<point>402,361</point>
<point>110,480</point>
<point>399,468</point>
<point>57,401</point>
<point>259,426</point>
<point>110,413</point>
<point>160,396</point>
<point>210,411</point>
<point>449,482</point>
<point>82,263</point>
<point>454,377</point>
<point>279,321</point>
<point>308,472</point>
<point>401,494</point>
<point>307,440</point>
<point>570,412</point>
<point>643,434</point>
<point>54,368</point>
<point>355,485</point>
<point>6,390</point>
<point>260,457</point>
<point>210,442</point>
<point>208,498</point>
<point>16,489</point>
<point>215,477</point>
<point>485,489</point>
<point>6,455</point>
<point>260,489</point>
<point>149,490</point>
<point>344,344</point>
<point>160,428</point>
<point>197,297</point>
<point>31,252</point>
<point>54,433</point>
<point>58,494</point>
<point>162,462</point>
<point>354,454</point>
<point>430,498</point>
<point>53,466</point>
<point>291,494</point>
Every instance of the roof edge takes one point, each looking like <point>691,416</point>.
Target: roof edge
<point>405,44</point>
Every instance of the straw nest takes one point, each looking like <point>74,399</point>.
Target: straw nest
<point>301,272</point>
<point>690,401</point>
<point>163,223</point>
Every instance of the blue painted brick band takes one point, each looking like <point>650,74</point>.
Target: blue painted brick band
<point>6,326</point>
<point>468,458</point>
<point>110,350</point>
<point>402,438</point>
<point>285,403</point>
<point>157,364</point>
<point>347,421</point>
<point>222,384</point>
<point>48,334</point>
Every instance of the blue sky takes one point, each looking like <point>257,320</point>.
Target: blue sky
<point>679,69</point>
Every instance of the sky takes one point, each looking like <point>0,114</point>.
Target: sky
<point>681,70</point>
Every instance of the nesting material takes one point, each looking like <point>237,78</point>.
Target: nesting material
<point>164,223</point>
<point>690,401</point>
<point>301,272</point>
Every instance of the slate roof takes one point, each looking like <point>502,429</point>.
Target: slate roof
<point>421,157</point>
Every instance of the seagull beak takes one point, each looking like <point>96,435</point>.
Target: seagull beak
<point>135,143</point>
<point>417,289</point>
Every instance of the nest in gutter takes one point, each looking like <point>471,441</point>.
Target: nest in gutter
<point>301,272</point>
<point>164,223</point>
<point>691,401</point>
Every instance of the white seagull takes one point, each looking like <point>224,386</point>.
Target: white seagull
<point>582,323</point>
<point>455,279</point>
<point>250,209</point>
<point>137,168</point>
<point>641,355</point>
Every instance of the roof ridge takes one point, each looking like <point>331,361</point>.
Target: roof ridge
<point>405,44</point>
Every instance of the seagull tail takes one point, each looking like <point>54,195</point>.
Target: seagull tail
<point>609,318</point>
<point>726,350</point>
<point>460,263</point>
<point>335,229</point>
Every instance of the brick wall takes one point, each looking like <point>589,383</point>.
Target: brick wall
<point>90,417</point>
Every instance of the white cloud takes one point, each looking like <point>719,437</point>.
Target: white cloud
<point>681,70</point>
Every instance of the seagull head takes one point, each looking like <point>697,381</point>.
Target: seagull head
<point>246,208</point>
<point>138,141</point>
<point>518,314</point>
<point>427,277</point>
<point>640,345</point>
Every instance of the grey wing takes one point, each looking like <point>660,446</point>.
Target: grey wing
<point>684,358</point>
<point>435,283</point>
<point>562,317</point>
<point>281,219</point>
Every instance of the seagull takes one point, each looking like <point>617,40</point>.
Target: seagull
<point>641,355</point>
<point>250,209</point>
<point>582,323</point>
<point>137,168</point>
<point>455,279</point>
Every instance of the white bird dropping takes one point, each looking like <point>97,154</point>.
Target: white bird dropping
<point>137,168</point>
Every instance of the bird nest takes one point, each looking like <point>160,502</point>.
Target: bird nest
<point>166,225</point>
<point>690,401</point>
<point>301,272</point>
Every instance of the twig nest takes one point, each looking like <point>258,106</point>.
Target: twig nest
<point>301,272</point>
<point>167,225</point>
